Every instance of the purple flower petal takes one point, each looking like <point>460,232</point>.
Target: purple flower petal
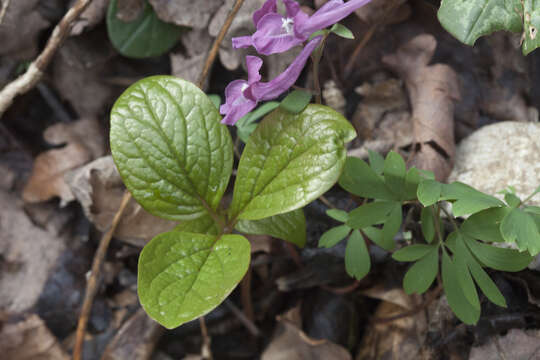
<point>269,7</point>
<point>274,35</point>
<point>292,7</point>
<point>236,104</point>
<point>242,42</point>
<point>253,64</point>
<point>272,89</point>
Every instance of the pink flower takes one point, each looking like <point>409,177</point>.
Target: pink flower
<point>277,33</point>
<point>242,96</point>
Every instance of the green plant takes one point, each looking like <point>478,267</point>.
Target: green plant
<point>176,158</point>
<point>463,250</point>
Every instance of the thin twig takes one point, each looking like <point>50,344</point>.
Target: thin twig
<point>206,352</point>
<point>3,11</point>
<point>31,77</point>
<point>92,286</point>
<point>215,47</point>
<point>248,324</point>
<point>352,59</point>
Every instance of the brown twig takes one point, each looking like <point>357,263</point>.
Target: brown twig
<point>92,286</point>
<point>352,59</point>
<point>31,77</point>
<point>206,352</point>
<point>215,47</point>
<point>3,10</point>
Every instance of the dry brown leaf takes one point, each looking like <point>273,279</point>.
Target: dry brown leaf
<point>20,29</point>
<point>29,339</point>
<point>28,255</point>
<point>91,16</point>
<point>516,344</point>
<point>189,66</point>
<point>84,142</point>
<point>135,340</point>
<point>387,11</point>
<point>291,343</point>
<point>99,188</point>
<point>195,14</point>
<point>433,90</point>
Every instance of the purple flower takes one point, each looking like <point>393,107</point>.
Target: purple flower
<point>277,33</point>
<point>242,96</point>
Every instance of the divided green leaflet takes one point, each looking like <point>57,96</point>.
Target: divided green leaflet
<point>339,215</point>
<point>519,227</point>
<point>170,148</point>
<point>413,252</point>
<point>289,161</point>
<point>422,273</point>
<point>376,161</point>
<point>145,36</point>
<point>498,258</point>
<point>461,256</point>
<point>428,224</point>
<point>429,192</point>
<point>468,200</point>
<point>373,213</point>
<point>183,276</point>
<point>394,173</point>
<point>485,225</point>
<point>357,260</point>
<point>334,235</point>
<point>290,227</point>
<point>360,179</point>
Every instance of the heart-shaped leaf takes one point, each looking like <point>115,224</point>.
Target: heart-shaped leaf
<point>184,275</point>
<point>172,152</point>
<point>289,161</point>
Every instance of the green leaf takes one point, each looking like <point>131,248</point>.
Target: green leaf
<point>360,179</point>
<point>531,22</point>
<point>376,235</point>
<point>532,209</point>
<point>413,252</point>
<point>428,223</point>
<point>512,200</point>
<point>339,215</point>
<point>145,36</point>
<point>467,199</point>
<point>173,173</point>
<point>394,173</point>
<point>412,179</point>
<point>343,31</point>
<point>485,283</point>
<point>454,293</point>
<point>519,227</point>
<point>296,101</point>
<point>461,257</point>
<point>172,152</point>
<point>333,236</point>
<point>429,192</point>
<point>357,260</point>
<point>376,161</point>
<point>485,225</point>
<point>422,274</point>
<point>391,227</point>
<point>289,161</point>
<point>247,124</point>
<point>467,20</point>
<point>370,214</point>
<point>290,227</point>
<point>498,258</point>
<point>202,225</point>
<point>215,99</point>
<point>184,275</point>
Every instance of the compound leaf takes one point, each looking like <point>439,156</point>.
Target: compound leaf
<point>428,225</point>
<point>360,179</point>
<point>394,173</point>
<point>371,214</point>
<point>485,225</point>
<point>498,258</point>
<point>429,192</point>
<point>357,260</point>
<point>519,227</point>
<point>413,252</point>
<point>422,274</point>
<point>334,235</point>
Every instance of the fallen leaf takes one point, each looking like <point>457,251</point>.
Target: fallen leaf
<point>135,340</point>
<point>433,90</point>
<point>188,66</point>
<point>21,28</point>
<point>195,14</point>
<point>387,11</point>
<point>99,189</point>
<point>28,255</point>
<point>516,344</point>
<point>29,339</point>
<point>84,142</point>
<point>90,17</point>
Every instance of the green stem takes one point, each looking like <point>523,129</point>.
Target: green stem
<point>436,222</point>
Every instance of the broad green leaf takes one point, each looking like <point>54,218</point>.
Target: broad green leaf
<point>290,227</point>
<point>429,192</point>
<point>342,30</point>
<point>454,293</point>
<point>412,179</point>
<point>532,209</point>
<point>394,173</point>
<point>371,214</point>
<point>413,252</point>
<point>467,199</point>
<point>247,124</point>
<point>201,225</point>
<point>467,20</point>
<point>376,161</point>
<point>512,200</point>
<point>422,274</point>
<point>296,101</point>
<point>498,258</point>
<point>485,225</point>
<point>360,179</point>
<point>428,223</point>
<point>145,36</point>
<point>531,22</point>
<point>289,161</point>
<point>461,257</point>
<point>357,260</point>
<point>334,235</point>
<point>339,215</point>
<point>391,227</point>
<point>172,152</point>
<point>184,275</point>
<point>519,227</point>
<point>215,99</point>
